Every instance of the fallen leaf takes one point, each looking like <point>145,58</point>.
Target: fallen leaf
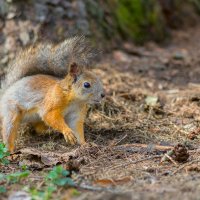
<point>38,159</point>
<point>49,160</point>
<point>151,100</point>
<point>194,134</point>
<point>106,182</point>
<point>194,167</point>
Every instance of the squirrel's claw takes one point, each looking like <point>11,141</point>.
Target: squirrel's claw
<point>70,138</point>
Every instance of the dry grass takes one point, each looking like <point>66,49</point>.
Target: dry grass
<point>126,118</point>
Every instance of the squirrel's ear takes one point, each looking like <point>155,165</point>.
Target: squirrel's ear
<point>74,70</point>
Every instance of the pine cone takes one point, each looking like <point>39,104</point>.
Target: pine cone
<point>180,153</point>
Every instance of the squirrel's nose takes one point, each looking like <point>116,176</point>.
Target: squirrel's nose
<point>102,95</point>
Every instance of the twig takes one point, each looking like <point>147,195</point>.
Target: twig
<point>152,146</point>
<point>94,188</point>
<point>171,159</point>
<point>185,165</point>
<point>40,185</point>
<point>119,140</point>
<point>137,161</point>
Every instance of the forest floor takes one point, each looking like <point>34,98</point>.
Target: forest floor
<point>142,142</point>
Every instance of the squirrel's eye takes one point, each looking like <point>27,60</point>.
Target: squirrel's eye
<point>87,85</point>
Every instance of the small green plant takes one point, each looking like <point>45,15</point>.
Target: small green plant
<point>2,189</point>
<point>17,176</point>
<point>14,177</point>
<point>75,192</point>
<point>59,176</point>
<point>11,178</point>
<point>24,167</point>
<point>43,194</point>
<point>3,154</point>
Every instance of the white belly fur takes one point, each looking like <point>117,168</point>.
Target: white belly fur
<point>31,117</point>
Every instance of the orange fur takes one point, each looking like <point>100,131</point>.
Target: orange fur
<point>13,132</point>
<point>46,86</point>
<point>55,119</point>
<point>55,103</point>
<point>59,95</point>
<point>40,127</point>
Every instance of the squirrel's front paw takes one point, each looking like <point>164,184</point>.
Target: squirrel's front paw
<point>70,138</point>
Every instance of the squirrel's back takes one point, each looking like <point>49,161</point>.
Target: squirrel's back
<point>49,59</point>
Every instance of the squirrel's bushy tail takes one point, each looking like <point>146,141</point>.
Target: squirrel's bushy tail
<point>49,59</point>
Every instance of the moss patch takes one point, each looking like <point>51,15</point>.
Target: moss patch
<point>140,20</point>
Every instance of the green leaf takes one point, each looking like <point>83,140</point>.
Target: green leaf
<point>15,177</point>
<point>24,167</point>
<point>58,169</point>
<point>61,181</point>
<point>70,182</point>
<point>64,181</point>
<point>44,194</point>
<point>2,176</point>
<point>51,188</point>
<point>52,175</point>
<point>5,161</point>
<point>65,173</point>
<point>75,192</point>
<point>58,176</point>
<point>2,189</point>
<point>3,154</point>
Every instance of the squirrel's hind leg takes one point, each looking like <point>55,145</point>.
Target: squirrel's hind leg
<point>10,125</point>
<point>40,127</point>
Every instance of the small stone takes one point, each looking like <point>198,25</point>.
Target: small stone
<point>66,4</point>
<point>81,9</point>
<point>178,56</point>
<point>5,60</point>
<point>20,195</point>
<point>59,11</point>
<point>3,8</point>
<point>83,26</point>
<point>10,44</point>
<point>182,54</point>
<point>11,15</point>
<point>70,14</point>
<point>24,37</point>
<point>164,60</point>
<point>41,12</point>
<point>11,27</point>
<point>121,56</point>
<point>151,100</point>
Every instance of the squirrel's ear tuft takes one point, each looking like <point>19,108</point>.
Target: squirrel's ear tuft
<point>74,70</point>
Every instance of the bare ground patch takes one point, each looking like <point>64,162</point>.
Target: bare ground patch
<point>152,104</point>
